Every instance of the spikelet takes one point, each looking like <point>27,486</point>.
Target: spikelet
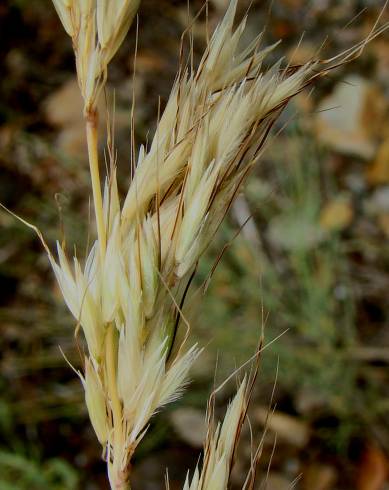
<point>97,29</point>
<point>95,402</point>
<point>220,446</point>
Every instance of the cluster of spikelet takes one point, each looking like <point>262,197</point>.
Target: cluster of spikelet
<point>220,446</point>
<point>97,29</point>
<point>128,297</point>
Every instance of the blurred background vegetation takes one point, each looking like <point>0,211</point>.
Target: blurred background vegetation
<point>310,266</point>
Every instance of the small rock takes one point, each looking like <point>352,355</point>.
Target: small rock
<point>302,53</point>
<point>275,481</point>
<point>16,63</point>
<point>337,214</point>
<point>65,105</point>
<point>190,425</point>
<point>381,51</point>
<point>373,469</point>
<point>319,477</point>
<point>220,5</point>
<point>352,117</point>
<point>287,427</point>
<point>72,140</point>
<point>6,136</point>
<point>308,401</point>
<point>383,222</point>
<point>64,109</point>
<point>294,232</point>
<point>292,4</point>
<point>148,62</point>
<point>378,202</point>
<point>355,182</point>
<point>378,171</point>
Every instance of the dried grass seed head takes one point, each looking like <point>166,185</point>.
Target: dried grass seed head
<point>196,163</point>
<point>97,29</point>
<point>211,133</point>
<point>220,446</point>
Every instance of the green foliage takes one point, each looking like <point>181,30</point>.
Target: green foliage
<point>301,271</point>
<point>18,472</point>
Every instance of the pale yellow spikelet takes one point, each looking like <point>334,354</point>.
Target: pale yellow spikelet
<point>77,290</point>
<point>149,266</point>
<point>144,401</point>
<point>198,161</point>
<point>176,376</point>
<point>196,211</point>
<point>164,136</point>
<point>88,285</point>
<point>112,274</point>
<point>218,479</point>
<point>222,64</point>
<point>232,420</point>
<point>95,402</point>
<point>111,201</point>
<point>220,446</point>
<point>97,28</point>
<point>113,19</point>
<point>130,287</point>
<point>130,364</point>
<point>220,51</point>
<point>64,10</point>
<point>222,443</point>
<point>155,172</point>
<point>66,282</point>
<point>194,485</point>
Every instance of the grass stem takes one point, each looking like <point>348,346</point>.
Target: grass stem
<point>92,141</point>
<point>116,406</point>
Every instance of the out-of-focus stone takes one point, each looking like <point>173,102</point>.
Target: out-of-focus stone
<point>378,171</point>
<point>294,233</point>
<point>6,136</point>
<point>275,481</point>
<point>148,61</point>
<point>72,140</point>
<point>352,117</point>
<point>302,53</point>
<point>373,469</point>
<point>381,51</point>
<point>378,203</point>
<point>291,429</point>
<point>64,109</point>
<point>319,477</point>
<point>189,424</point>
<point>292,3</point>
<point>65,105</point>
<point>383,222</point>
<point>308,401</point>
<point>337,214</point>
<point>220,5</point>
<point>377,206</point>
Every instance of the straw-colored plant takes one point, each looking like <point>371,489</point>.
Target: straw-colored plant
<point>128,296</point>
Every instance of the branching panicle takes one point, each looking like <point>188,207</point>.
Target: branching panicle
<point>128,298</point>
